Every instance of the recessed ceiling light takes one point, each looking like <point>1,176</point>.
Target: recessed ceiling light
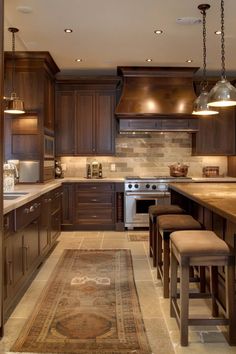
<point>79,60</point>
<point>149,59</point>
<point>68,30</point>
<point>158,31</point>
<point>189,60</point>
<point>217,32</point>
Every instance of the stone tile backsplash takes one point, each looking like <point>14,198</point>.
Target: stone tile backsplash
<point>148,155</point>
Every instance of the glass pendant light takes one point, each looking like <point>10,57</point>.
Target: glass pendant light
<point>14,104</point>
<point>223,94</point>
<point>200,106</point>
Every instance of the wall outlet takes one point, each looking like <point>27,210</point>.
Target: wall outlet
<point>112,167</point>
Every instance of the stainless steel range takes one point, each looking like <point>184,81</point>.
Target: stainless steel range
<point>142,192</point>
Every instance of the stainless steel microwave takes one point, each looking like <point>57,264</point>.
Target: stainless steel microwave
<point>49,147</point>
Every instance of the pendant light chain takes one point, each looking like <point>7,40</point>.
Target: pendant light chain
<point>204,82</point>
<point>13,61</point>
<point>223,75</point>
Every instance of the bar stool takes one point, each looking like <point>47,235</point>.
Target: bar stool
<point>155,211</point>
<point>166,225</point>
<point>201,248</point>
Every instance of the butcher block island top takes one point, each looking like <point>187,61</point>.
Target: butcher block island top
<point>218,197</point>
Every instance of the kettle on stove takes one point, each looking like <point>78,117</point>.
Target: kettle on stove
<point>58,170</point>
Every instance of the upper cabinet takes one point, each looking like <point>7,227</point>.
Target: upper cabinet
<point>27,135</point>
<point>85,123</point>
<point>34,83</point>
<point>216,134</point>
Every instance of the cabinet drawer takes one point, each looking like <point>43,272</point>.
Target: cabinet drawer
<point>86,198</point>
<point>100,187</point>
<point>27,213</point>
<point>95,216</point>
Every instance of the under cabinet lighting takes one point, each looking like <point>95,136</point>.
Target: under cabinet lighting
<point>68,30</point>
<point>78,60</point>
<point>189,60</point>
<point>217,33</point>
<point>149,60</point>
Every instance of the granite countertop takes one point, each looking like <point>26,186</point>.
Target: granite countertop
<point>219,198</point>
<point>35,190</point>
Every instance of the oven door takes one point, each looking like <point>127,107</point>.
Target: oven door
<point>137,204</point>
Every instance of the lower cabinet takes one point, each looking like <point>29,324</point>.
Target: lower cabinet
<point>30,232</point>
<point>93,206</point>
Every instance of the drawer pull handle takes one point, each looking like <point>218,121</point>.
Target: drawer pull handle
<point>94,200</point>
<point>26,210</point>
<point>93,187</point>
<point>94,216</point>
<point>10,268</point>
<point>31,209</point>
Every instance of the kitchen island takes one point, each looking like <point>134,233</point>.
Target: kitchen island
<point>214,206</point>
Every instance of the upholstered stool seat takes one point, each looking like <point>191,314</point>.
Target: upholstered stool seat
<point>154,211</point>
<point>201,248</point>
<point>166,225</point>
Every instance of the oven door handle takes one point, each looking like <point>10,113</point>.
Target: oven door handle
<point>148,195</point>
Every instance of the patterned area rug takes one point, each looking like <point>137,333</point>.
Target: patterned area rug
<point>138,236</point>
<point>90,306</point>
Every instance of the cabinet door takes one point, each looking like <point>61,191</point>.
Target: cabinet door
<point>68,204</point>
<point>104,123</point>
<point>8,268</point>
<point>85,139</point>
<point>18,263</point>
<point>31,245</point>
<point>216,134</point>
<point>64,123</point>
<point>48,103</point>
<point>44,238</point>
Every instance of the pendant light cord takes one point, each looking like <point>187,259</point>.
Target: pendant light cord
<point>223,75</point>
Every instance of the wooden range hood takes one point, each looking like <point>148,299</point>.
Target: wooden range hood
<point>156,93</point>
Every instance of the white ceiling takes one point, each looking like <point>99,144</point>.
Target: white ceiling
<point>111,33</point>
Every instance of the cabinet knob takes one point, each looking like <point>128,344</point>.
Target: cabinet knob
<point>31,209</point>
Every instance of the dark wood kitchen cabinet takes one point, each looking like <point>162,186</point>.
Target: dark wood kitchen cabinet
<point>30,231</point>
<point>21,251</point>
<point>85,123</point>
<point>34,84</point>
<point>56,203</point>
<point>50,220</point>
<point>93,206</point>
<point>216,135</point>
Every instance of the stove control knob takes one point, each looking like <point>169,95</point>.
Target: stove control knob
<point>147,185</point>
<point>129,186</point>
<point>136,185</point>
<point>154,186</point>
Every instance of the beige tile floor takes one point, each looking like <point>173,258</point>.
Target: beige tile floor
<point>162,330</point>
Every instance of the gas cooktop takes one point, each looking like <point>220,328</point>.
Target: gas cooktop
<point>154,178</point>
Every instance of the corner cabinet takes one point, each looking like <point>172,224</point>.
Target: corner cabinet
<point>85,123</point>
